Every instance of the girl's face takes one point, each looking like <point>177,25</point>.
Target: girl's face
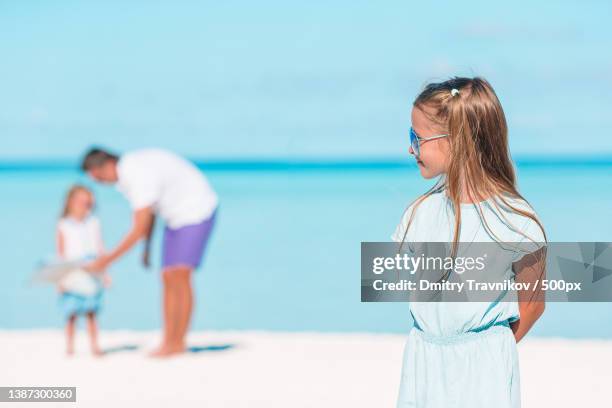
<point>80,204</point>
<point>433,157</point>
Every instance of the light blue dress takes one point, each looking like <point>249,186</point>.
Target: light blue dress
<point>462,354</point>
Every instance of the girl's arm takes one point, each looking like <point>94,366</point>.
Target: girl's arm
<point>99,239</point>
<point>529,269</point>
<point>59,241</point>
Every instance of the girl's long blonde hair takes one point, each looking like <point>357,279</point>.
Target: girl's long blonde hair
<point>479,159</point>
<point>70,194</point>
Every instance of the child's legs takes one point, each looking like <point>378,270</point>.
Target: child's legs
<point>92,328</point>
<point>70,329</point>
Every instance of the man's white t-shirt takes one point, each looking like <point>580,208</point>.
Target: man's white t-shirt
<point>171,185</point>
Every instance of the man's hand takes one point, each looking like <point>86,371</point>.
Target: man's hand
<point>99,264</point>
<point>107,281</point>
<point>140,227</point>
<point>146,258</point>
<point>149,226</point>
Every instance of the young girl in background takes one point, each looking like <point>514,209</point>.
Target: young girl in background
<point>79,238</point>
<point>464,354</point>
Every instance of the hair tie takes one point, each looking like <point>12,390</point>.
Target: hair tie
<point>454,91</point>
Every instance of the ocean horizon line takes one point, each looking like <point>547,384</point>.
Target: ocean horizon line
<point>311,163</point>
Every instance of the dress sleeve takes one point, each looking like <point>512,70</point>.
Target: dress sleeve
<point>530,243</point>
<point>400,234</point>
<point>60,235</point>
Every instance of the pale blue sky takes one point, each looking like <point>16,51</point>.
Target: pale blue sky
<point>301,79</point>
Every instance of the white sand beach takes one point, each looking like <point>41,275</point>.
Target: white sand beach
<point>269,369</point>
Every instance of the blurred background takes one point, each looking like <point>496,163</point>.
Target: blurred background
<point>299,114</point>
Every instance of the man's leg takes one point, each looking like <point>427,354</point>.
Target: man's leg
<point>179,314</point>
<point>170,312</point>
<point>185,300</point>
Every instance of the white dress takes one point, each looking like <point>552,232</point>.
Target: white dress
<point>81,242</point>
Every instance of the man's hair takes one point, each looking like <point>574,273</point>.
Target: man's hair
<point>97,157</point>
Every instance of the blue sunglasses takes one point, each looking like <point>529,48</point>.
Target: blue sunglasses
<point>415,141</point>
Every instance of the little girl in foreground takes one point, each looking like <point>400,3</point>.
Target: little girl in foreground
<point>79,238</point>
<point>464,354</point>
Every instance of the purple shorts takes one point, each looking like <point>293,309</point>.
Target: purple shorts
<point>185,246</point>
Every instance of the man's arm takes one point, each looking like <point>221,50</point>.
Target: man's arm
<point>146,255</point>
<point>141,224</point>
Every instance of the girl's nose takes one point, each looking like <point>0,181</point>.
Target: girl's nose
<point>411,151</point>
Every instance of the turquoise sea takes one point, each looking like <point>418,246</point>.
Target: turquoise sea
<point>285,255</point>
